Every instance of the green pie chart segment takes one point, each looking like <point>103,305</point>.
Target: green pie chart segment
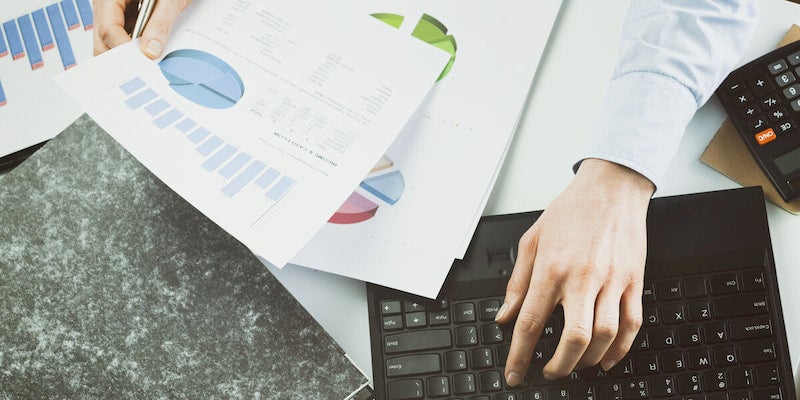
<point>431,31</point>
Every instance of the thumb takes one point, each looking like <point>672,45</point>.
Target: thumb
<point>159,26</point>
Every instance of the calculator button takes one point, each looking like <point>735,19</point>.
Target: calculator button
<point>765,136</point>
<point>770,102</point>
<point>750,112</point>
<point>758,124</point>
<point>787,126</point>
<point>785,79</point>
<point>794,58</point>
<point>760,85</point>
<point>792,91</point>
<point>777,67</point>
<point>734,87</point>
<point>777,114</point>
<point>796,105</point>
<point>744,98</point>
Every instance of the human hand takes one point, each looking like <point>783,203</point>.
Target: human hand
<point>586,252</point>
<point>115,18</point>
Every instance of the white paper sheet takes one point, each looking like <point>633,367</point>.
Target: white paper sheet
<point>34,108</point>
<point>263,115</point>
<point>449,154</point>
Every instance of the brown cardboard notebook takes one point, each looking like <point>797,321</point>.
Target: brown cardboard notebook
<point>728,154</point>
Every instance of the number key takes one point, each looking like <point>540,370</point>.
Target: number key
<point>792,91</point>
<point>784,79</point>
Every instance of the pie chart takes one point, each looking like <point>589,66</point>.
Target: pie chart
<point>202,78</point>
<point>429,30</point>
<point>384,184</point>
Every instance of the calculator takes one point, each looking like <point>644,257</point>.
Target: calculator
<point>762,99</point>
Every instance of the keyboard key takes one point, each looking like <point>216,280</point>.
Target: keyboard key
<point>717,396</point>
<point>641,342</point>
<point>551,328</point>
<point>724,284</point>
<point>751,328</point>
<point>768,394</point>
<point>742,395</point>
<point>758,351</point>
<point>698,359</point>
<point>582,391</point>
<point>413,365</point>
<point>464,312</point>
<point>649,293</point>
<point>715,332</point>
<point>540,353</point>
<point>502,355</point>
<point>558,393</point>
<point>740,306</point>
<point>753,281</point>
<point>389,307</point>
<point>623,369</point>
<point>696,286</point>
<point>464,384</point>
<point>671,289</point>
<point>505,396</point>
<point>715,381</point>
<point>663,386</point>
<point>698,311</point>
<point>455,360</point>
<point>416,320</point>
<point>725,356</point>
<point>672,361</point>
<point>662,339</point>
<point>411,306</point>
<point>420,340</point>
<point>439,317</point>
<point>487,309</point>
<point>689,335</point>
<point>466,336</point>
<point>645,364</point>
<point>491,381</point>
<point>405,390</point>
<point>767,375</point>
<point>741,378</point>
<point>651,316</point>
<point>480,358</point>
<point>491,334</point>
<point>438,386</point>
<point>673,314</point>
<point>440,304</point>
<point>392,323</point>
<point>533,395</point>
<point>777,67</point>
<point>689,384</point>
<point>636,389</point>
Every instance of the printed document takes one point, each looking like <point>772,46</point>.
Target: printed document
<point>419,206</point>
<point>263,115</point>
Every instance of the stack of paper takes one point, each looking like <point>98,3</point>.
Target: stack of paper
<point>416,211</point>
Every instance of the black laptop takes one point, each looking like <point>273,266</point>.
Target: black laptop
<point>713,326</point>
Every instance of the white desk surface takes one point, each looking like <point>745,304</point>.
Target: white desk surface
<point>571,82</point>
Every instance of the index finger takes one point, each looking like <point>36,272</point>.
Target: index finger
<point>539,303</point>
<point>109,31</point>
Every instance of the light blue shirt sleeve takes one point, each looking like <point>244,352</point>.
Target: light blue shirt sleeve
<point>673,55</point>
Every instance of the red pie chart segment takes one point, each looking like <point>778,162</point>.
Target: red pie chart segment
<point>356,209</point>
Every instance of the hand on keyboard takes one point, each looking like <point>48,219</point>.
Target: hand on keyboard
<point>112,17</point>
<point>587,252</point>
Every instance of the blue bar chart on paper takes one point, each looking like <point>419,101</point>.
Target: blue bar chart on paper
<point>38,40</point>
<point>234,167</point>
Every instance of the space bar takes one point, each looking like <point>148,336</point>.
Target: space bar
<point>420,340</point>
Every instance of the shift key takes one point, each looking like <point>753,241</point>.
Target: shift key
<point>740,306</point>
<point>420,340</point>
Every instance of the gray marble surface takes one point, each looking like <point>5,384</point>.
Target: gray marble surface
<point>112,286</point>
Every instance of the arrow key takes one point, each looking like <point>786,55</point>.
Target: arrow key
<point>416,320</point>
<point>389,307</point>
<point>414,305</point>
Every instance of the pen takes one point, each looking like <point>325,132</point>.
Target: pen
<point>145,9</point>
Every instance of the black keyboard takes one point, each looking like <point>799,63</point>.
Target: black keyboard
<point>762,99</point>
<point>712,322</point>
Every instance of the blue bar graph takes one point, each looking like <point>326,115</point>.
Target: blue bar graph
<point>209,145</point>
<point>14,41</point>
<point>31,44</point>
<point>280,188</point>
<point>265,180</point>
<point>3,100</point>
<point>198,135</point>
<point>235,165</point>
<point>132,85</point>
<point>43,30</point>
<point>168,119</point>
<point>243,179</point>
<point>140,99</point>
<point>157,107</point>
<point>62,39</point>
<point>70,14</point>
<point>85,9</point>
<point>186,125</point>
<point>3,48</point>
<point>220,157</point>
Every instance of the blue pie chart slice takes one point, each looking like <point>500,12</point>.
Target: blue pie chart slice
<point>202,78</point>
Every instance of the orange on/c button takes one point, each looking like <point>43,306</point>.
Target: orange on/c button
<point>765,136</point>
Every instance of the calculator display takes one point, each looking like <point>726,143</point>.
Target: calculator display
<point>788,162</point>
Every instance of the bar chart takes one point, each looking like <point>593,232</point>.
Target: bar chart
<point>237,169</point>
<point>30,35</point>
